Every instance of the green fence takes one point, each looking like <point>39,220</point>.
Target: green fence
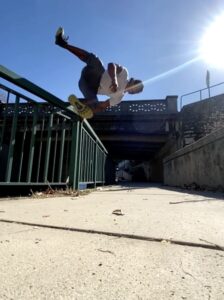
<point>42,142</point>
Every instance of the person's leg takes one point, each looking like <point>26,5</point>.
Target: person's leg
<point>90,96</point>
<point>91,73</point>
<point>80,53</point>
<point>100,106</point>
<point>85,110</point>
<point>90,79</point>
<point>62,41</point>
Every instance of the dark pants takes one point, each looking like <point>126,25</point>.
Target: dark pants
<point>90,77</point>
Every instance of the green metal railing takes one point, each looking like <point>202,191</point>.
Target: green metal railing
<point>42,141</point>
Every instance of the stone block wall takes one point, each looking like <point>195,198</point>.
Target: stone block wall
<point>200,164</point>
<point>200,119</point>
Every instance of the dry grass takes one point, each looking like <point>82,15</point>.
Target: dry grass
<point>50,192</point>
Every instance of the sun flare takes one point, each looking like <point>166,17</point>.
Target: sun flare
<point>212,44</point>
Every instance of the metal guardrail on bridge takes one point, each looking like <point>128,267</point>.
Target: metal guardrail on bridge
<point>200,93</point>
<point>43,142</point>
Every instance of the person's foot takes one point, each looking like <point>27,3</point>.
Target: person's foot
<point>60,38</point>
<point>83,110</point>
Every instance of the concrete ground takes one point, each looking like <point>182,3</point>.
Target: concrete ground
<point>153,248</point>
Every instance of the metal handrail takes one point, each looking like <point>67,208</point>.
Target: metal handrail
<point>39,92</point>
<point>30,87</point>
<point>199,91</point>
<point>41,142</point>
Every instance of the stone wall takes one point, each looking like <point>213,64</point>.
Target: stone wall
<point>200,119</point>
<point>200,164</point>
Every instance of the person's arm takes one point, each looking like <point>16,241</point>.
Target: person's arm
<point>113,69</point>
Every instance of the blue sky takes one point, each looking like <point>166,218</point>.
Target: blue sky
<point>149,37</point>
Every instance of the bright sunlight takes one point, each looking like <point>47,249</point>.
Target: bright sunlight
<point>212,43</point>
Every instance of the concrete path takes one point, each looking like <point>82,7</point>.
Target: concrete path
<point>162,244</point>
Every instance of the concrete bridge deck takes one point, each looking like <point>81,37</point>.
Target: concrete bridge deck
<point>136,129</point>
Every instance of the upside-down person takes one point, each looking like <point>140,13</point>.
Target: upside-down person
<point>95,80</point>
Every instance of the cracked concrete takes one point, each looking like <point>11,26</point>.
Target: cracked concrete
<point>44,263</point>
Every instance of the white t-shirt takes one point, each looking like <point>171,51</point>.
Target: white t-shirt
<point>105,83</point>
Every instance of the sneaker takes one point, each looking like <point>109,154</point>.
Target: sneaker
<point>81,109</point>
<point>60,38</point>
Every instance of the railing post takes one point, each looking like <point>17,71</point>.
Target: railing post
<point>48,148</point>
<point>32,144</point>
<point>62,144</point>
<point>4,123</point>
<point>75,155</point>
<point>12,141</point>
<point>79,153</point>
<point>95,163</point>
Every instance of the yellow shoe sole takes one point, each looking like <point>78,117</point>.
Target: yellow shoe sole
<point>81,109</point>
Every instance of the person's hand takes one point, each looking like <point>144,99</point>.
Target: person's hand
<point>114,86</point>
